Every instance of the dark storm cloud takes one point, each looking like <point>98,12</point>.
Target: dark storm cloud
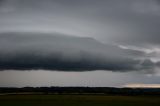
<point>62,52</point>
<point>118,22</point>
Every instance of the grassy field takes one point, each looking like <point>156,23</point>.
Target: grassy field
<point>78,100</point>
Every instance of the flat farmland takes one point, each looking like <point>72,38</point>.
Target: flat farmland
<point>78,100</point>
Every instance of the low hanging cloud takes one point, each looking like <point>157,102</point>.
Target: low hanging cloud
<point>54,51</point>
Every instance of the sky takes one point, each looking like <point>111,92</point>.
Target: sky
<point>79,42</point>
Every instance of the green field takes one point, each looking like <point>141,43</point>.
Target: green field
<point>78,100</point>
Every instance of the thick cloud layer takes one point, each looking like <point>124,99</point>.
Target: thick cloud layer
<point>129,30</point>
<point>62,52</point>
<point>128,22</point>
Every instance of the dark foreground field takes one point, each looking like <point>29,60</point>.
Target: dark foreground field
<point>78,100</point>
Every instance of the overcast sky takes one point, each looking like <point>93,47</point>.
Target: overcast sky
<point>120,36</point>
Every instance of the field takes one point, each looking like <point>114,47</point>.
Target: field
<point>78,100</point>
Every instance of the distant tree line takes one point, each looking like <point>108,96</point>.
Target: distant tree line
<point>81,90</point>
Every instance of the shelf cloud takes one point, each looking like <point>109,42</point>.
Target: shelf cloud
<point>80,43</point>
<point>117,35</point>
<point>28,51</point>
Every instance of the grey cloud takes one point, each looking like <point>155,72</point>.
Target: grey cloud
<point>133,22</point>
<point>62,52</point>
<point>126,22</point>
